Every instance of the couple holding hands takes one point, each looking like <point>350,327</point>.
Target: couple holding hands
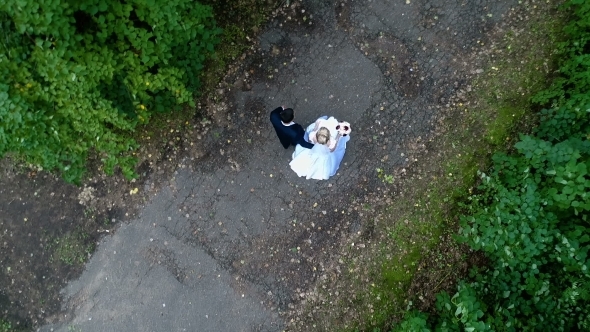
<point>319,148</point>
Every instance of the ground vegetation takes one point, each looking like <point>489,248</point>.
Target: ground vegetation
<point>529,216</point>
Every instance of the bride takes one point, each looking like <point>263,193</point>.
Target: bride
<point>322,161</point>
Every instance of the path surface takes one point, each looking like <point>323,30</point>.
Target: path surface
<point>228,242</point>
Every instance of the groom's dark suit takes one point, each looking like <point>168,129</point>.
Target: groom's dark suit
<point>288,135</point>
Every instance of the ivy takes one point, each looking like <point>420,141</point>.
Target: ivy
<point>79,76</point>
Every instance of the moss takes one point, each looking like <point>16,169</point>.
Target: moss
<point>514,77</point>
<point>399,274</point>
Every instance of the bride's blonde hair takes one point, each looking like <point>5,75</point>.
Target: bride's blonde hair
<point>323,136</point>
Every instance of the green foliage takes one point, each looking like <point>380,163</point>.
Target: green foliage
<point>530,216</point>
<point>531,220</point>
<point>5,326</point>
<point>414,322</point>
<point>385,178</point>
<point>72,249</point>
<point>79,75</point>
<point>573,84</point>
<point>462,312</point>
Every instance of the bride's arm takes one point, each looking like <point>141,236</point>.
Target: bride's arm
<point>332,148</point>
<point>317,125</point>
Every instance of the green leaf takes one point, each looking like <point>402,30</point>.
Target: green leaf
<point>92,10</point>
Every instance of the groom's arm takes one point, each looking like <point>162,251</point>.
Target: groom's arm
<point>299,136</point>
<point>275,116</point>
<point>301,141</point>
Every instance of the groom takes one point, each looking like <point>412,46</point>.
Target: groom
<point>289,132</point>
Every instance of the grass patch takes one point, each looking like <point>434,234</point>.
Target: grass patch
<point>6,326</point>
<point>381,278</point>
<point>72,248</point>
<point>519,68</point>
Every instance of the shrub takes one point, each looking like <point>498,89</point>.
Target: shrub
<point>531,213</point>
<point>415,322</point>
<point>80,75</point>
<point>531,221</point>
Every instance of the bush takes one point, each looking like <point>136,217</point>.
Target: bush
<point>80,75</point>
<point>531,221</point>
<point>414,322</point>
<point>531,216</point>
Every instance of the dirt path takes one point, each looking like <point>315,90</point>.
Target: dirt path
<point>228,240</point>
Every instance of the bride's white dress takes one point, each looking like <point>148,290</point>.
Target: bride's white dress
<point>319,163</point>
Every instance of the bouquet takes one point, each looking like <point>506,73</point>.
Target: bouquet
<point>343,128</point>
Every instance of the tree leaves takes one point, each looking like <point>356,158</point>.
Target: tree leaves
<point>87,66</point>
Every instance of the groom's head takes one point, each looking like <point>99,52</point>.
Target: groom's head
<point>287,115</point>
